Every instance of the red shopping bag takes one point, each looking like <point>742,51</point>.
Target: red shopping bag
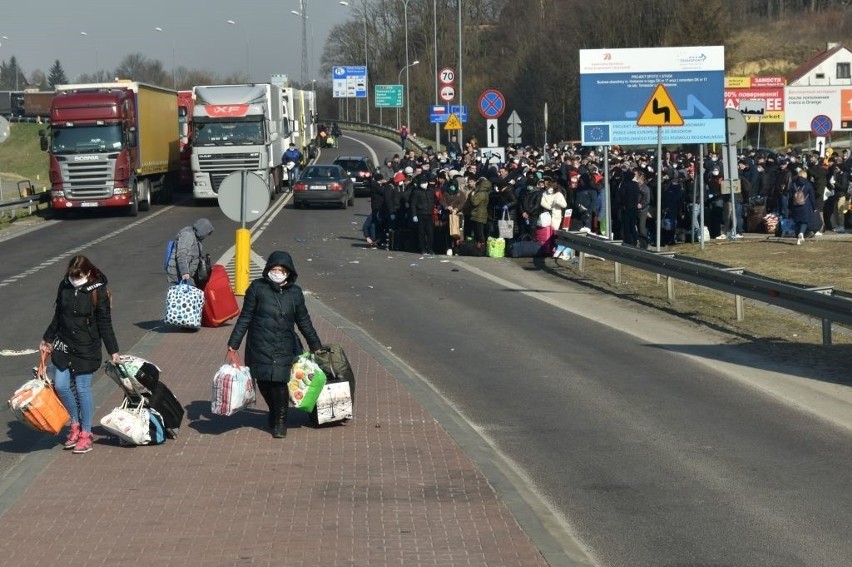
<point>566,219</point>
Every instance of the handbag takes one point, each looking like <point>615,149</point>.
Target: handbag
<point>544,219</point>
<point>233,388</point>
<point>135,375</point>
<point>455,226</point>
<point>202,273</point>
<point>36,403</point>
<point>525,247</point>
<point>306,382</point>
<point>131,424</point>
<point>334,403</point>
<point>506,226</point>
<point>184,304</point>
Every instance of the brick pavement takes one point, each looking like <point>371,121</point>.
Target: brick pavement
<point>389,488</point>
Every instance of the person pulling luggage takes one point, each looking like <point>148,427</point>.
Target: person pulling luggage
<point>273,305</point>
<point>188,254</point>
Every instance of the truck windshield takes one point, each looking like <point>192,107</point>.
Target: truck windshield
<point>228,133</point>
<point>84,139</point>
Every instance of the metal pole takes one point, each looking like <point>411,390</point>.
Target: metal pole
<point>366,69</point>
<point>435,46</point>
<point>659,184</point>
<point>461,99</point>
<point>407,75</point>
<point>699,176</point>
<point>607,202</point>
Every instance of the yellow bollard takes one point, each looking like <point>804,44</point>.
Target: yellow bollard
<point>242,255</point>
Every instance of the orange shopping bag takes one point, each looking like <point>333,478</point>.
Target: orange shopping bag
<point>36,403</point>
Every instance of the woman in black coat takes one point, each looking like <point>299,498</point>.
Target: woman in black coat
<point>82,320</point>
<point>273,306</point>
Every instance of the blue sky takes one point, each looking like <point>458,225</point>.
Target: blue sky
<point>195,34</point>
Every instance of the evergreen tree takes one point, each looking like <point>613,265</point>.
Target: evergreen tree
<point>56,75</point>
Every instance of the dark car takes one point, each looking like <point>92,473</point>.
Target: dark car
<point>360,169</point>
<point>324,185</point>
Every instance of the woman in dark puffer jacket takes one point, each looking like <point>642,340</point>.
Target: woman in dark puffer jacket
<point>273,306</point>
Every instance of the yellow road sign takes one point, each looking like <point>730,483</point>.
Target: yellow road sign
<point>660,110</point>
<point>453,123</point>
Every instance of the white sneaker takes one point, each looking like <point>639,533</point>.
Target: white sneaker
<point>817,234</point>
<point>585,229</point>
<point>839,230</point>
<point>737,236</point>
<point>722,237</point>
<point>800,240</point>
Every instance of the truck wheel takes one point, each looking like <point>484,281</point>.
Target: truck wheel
<point>133,209</point>
<point>145,203</point>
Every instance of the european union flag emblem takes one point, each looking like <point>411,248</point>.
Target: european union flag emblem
<point>596,133</point>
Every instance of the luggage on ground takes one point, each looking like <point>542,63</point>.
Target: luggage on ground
<point>525,247</point>
<point>36,403</point>
<point>470,248</point>
<point>220,303</point>
<point>130,422</point>
<point>233,388</point>
<point>754,219</point>
<point>135,375</point>
<point>164,401</point>
<point>401,240</point>
<point>337,398</point>
<point>184,303</point>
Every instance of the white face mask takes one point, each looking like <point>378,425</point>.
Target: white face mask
<point>550,189</point>
<point>277,277</point>
<point>78,282</point>
<point>424,185</point>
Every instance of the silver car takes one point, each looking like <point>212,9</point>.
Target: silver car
<point>324,185</point>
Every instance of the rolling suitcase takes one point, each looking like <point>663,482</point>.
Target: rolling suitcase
<point>400,240</point>
<point>139,378</point>
<point>220,303</point>
<point>335,403</point>
<point>164,401</point>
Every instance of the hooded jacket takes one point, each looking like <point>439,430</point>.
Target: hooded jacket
<point>479,201</point>
<point>188,251</point>
<point>269,316</point>
<point>82,319</point>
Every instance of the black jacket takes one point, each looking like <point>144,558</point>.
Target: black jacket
<point>82,319</point>
<point>269,315</point>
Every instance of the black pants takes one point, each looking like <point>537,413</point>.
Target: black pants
<point>425,234</point>
<point>275,396</point>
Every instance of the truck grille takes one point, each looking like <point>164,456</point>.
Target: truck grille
<point>219,166</point>
<point>88,179</point>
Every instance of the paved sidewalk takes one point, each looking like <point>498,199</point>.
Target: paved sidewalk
<point>389,488</point>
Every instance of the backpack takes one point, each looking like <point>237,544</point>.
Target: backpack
<point>170,250</point>
<point>799,197</point>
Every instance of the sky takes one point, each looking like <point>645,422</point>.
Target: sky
<point>84,35</point>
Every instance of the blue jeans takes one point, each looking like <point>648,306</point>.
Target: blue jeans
<point>80,403</point>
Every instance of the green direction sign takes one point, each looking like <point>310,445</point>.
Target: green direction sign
<point>388,96</point>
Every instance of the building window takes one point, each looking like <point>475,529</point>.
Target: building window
<point>820,76</point>
<point>844,71</point>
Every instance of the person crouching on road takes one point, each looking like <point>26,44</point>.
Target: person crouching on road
<point>82,319</point>
<point>273,304</point>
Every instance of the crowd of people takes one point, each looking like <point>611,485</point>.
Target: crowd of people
<point>562,186</point>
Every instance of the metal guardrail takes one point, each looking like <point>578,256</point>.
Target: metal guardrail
<point>384,131</point>
<point>29,203</point>
<point>823,303</point>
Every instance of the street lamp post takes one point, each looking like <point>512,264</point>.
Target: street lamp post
<point>158,29</point>
<point>97,65</point>
<point>407,78</point>
<point>5,38</point>
<point>248,61</point>
<point>366,68</point>
<point>398,80</point>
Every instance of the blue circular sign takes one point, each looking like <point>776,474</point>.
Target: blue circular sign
<point>492,103</point>
<point>821,125</point>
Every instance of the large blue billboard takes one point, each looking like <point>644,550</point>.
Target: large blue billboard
<point>617,84</point>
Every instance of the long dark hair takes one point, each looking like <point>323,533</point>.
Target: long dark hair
<point>80,266</point>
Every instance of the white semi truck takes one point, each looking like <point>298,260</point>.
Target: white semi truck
<point>236,128</point>
<point>300,115</point>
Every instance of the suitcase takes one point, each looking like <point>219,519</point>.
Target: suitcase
<point>164,401</point>
<point>334,404</point>
<point>220,303</point>
<point>37,405</point>
<point>401,240</point>
<point>544,236</point>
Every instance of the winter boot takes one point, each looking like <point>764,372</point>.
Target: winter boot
<point>279,410</point>
<point>73,437</point>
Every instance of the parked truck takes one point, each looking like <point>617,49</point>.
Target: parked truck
<point>300,123</point>
<point>112,145</point>
<point>236,128</point>
<point>186,106</point>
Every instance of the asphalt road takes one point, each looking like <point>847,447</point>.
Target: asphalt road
<point>651,442</point>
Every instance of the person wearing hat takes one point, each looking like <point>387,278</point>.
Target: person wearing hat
<point>479,209</point>
<point>783,185</point>
<point>396,197</point>
<point>421,206</point>
<point>274,306</point>
<point>187,260</point>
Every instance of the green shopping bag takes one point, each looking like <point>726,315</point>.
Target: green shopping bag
<point>306,382</point>
<point>496,247</point>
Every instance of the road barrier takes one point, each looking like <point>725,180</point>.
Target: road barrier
<point>824,303</point>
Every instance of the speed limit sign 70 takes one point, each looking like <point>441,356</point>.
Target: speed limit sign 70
<point>447,76</point>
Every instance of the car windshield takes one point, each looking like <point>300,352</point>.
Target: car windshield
<point>321,173</point>
<point>80,139</point>
<point>353,165</point>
